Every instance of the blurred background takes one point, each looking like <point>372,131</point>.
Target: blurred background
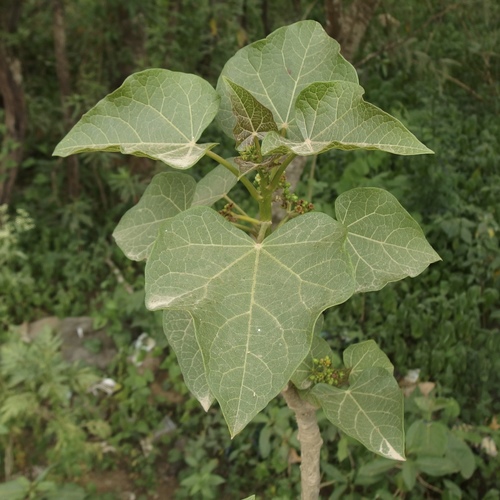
<point>92,403</point>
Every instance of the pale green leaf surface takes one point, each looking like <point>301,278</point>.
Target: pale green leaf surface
<point>275,70</point>
<point>168,194</point>
<point>334,115</point>
<point>181,335</point>
<point>385,243</point>
<point>254,305</point>
<point>214,186</point>
<point>156,113</point>
<point>363,355</point>
<point>369,410</point>
<point>252,118</point>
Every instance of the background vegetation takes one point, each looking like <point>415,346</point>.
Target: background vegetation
<point>63,431</point>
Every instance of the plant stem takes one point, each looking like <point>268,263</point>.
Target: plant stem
<point>310,181</point>
<point>251,189</point>
<point>246,218</point>
<point>310,443</point>
<point>244,228</point>
<point>277,176</point>
<point>235,205</point>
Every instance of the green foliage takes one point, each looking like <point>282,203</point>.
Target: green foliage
<point>218,281</point>
<point>13,278</point>
<point>40,489</point>
<point>445,322</point>
<point>43,401</point>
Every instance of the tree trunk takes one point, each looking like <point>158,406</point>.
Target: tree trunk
<point>348,26</point>
<point>64,78</point>
<point>310,441</point>
<point>16,120</point>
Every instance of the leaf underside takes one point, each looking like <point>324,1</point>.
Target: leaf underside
<point>275,70</point>
<point>385,243</point>
<point>334,115</point>
<point>156,113</point>
<point>252,334</point>
<point>371,408</point>
<point>167,195</point>
<point>180,332</point>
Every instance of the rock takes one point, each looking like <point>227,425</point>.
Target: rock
<point>75,333</point>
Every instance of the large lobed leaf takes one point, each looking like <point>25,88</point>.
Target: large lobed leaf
<point>168,194</point>
<point>156,113</point>
<point>371,408</point>
<point>385,243</point>
<point>181,335</point>
<point>334,115</point>
<point>254,305</point>
<point>275,70</point>
<point>214,186</point>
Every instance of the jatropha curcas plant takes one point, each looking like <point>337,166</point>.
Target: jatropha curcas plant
<point>242,300</point>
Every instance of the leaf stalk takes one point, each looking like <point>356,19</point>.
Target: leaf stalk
<point>251,189</point>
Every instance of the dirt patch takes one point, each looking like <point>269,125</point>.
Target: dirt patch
<point>119,483</point>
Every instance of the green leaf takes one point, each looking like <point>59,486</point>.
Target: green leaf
<point>254,304</point>
<point>376,467</point>
<point>384,241</point>
<point>181,335</point>
<point>436,466</point>
<point>214,186</point>
<point>252,118</point>
<point>275,70</point>
<point>167,195</point>
<point>156,113</point>
<point>15,490</point>
<point>409,473</point>
<point>427,438</point>
<point>363,355</point>
<point>334,115</point>
<point>19,405</point>
<point>369,410</point>
<point>461,455</point>
<point>68,491</point>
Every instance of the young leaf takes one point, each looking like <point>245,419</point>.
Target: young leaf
<point>166,196</point>
<point>384,241</point>
<point>254,304</point>
<point>369,410</point>
<point>334,115</point>
<point>252,118</point>
<point>155,113</point>
<point>181,335</point>
<point>275,70</point>
<point>214,186</point>
<point>363,355</point>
